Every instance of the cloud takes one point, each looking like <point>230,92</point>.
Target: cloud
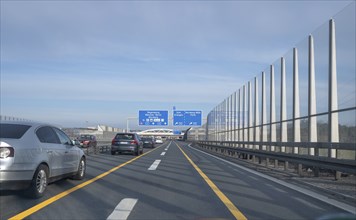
<point>155,29</point>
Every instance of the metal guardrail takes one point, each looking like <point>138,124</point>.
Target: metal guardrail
<point>101,147</point>
<point>236,148</point>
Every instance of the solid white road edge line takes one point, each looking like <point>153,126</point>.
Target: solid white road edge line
<point>154,165</point>
<point>163,153</point>
<point>307,192</point>
<point>123,209</point>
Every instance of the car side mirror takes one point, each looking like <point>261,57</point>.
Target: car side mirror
<point>75,142</point>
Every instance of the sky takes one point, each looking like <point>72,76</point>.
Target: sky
<point>83,63</point>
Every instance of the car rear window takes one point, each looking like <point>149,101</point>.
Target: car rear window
<point>13,131</point>
<point>125,136</point>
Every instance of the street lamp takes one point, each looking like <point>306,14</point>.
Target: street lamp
<point>127,123</point>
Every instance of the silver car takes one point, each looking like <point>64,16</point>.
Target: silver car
<point>34,154</point>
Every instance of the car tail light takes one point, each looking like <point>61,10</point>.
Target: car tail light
<point>86,142</point>
<point>6,152</point>
<point>134,142</point>
<point>113,141</point>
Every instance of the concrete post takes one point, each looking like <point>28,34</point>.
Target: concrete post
<point>244,133</point>
<point>232,138</point>
<point>333,100</point>
<point>257,116</point>
<point>250,129</point>
<point>264,111</point>
<point>296,106</point>
<point>272,109</point>
<point>239,119</point>
<point>312,124</point>
<point>227,118</point>
<point>283,116</point>
<point>283,134</point>
<point>235,117</point>
<point>232,117</point>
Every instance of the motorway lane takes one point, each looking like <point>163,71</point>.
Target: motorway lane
<point>257,197</point>
<point>174,190</point>
<point>13,202</point>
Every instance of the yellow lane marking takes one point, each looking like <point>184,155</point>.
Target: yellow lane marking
<point>232,208</point>
<point>45,203</point>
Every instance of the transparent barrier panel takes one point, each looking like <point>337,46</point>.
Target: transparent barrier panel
<point>345,24</point>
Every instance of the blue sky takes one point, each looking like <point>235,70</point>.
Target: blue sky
<point>79,63</point>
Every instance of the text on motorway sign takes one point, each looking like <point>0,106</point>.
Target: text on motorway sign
<point>153,117</point>
<point>187,118</point>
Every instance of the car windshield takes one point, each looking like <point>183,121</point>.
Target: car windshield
<point>13,131</point>
<point>125,136</point>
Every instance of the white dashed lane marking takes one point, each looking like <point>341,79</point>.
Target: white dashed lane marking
<point>163,153</point>
<point>154,165</point>
<point>168,146</point>
<point>123,209</point>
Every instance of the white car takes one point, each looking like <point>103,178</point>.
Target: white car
<point>159,141</point>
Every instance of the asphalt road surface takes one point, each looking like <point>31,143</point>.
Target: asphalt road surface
<point>171,181</point>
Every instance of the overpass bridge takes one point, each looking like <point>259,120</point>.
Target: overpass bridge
<point>163,133</point>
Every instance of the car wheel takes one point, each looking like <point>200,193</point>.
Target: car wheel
<point>39,182</point>
<point>113,152</point>
<point>81,170</point>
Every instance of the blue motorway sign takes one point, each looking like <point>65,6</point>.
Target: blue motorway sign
<point>187,118</point>
<point>153,118</point>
